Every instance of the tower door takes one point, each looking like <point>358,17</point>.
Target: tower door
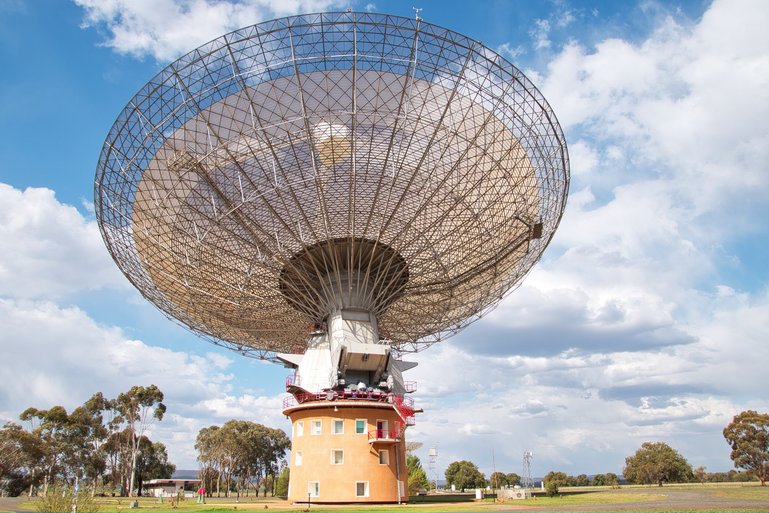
<point>381,429</point>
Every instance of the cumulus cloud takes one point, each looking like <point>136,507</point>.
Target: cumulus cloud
<point>671,102</point>
<point>510,52</point>
<point>630,328</point>
<point>75,357</point>
<point>661,173</point>
<point>540,34</point>
<point>58,355</point>
<point>50,249</point>
<point>562,408</point>
<point>166,29</point>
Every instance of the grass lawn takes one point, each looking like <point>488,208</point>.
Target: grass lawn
<point>689,498</point>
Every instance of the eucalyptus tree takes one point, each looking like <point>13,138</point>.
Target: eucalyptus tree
<point>657,463</point>
<point>210,449</point>
<point>136,410</point>
<point>21,459</point>
<point>51,433</point>
<point>152,462</point>
<point>241,453</point>
<point>417,477</point>
<point>464,474</point>
<point>748,436</point>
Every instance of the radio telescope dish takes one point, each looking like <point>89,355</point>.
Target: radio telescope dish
<point>331,162</point>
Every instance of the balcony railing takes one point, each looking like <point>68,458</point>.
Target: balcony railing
<point>410,386</point>
<point>386,435</point>
<point>293,380</point>
<point>403,405</point>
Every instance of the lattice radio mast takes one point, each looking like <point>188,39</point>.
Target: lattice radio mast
<point>432,464</point>
<point>527,481</point>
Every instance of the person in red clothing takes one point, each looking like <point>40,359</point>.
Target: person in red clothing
<point>201,495</point>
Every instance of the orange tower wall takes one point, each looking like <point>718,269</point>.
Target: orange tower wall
<point>312,456</point>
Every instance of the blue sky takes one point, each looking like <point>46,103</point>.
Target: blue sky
<point>647,319</point>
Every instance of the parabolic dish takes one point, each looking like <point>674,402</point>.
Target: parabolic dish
<point>259,182</point>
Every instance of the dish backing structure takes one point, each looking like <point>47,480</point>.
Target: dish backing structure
<point>332,191</point>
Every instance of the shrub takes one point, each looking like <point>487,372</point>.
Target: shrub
<point>61,501</point>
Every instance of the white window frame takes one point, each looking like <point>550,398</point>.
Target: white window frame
<point>333,456</point>
<point>298,459</point>
<point>386,453</point>
<point>316,423</point>
<point>365,488</point>
<point>334,425</point>
<point>365,424</point>
<point>299,428</point>
<point>313,488</point>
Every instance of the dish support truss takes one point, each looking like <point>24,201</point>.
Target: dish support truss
<point>282,149</point>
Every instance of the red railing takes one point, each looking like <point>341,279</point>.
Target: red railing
<point>386,435</point>
<point>293,380</point>
<point>297,399</point>
<point>403,405</point>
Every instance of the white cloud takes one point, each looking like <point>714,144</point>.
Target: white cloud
<point>50,249</point>
<point>629,330</point>
<point>688,104</point>
<point>166,29</point>
<point>510,52</point>
<point>562,408</point>
<point>540,34</point>
<point>668,175</point>
<point>74,357</point>
<point>58,355</point>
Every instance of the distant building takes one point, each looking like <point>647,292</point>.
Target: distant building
<point>170,487</point>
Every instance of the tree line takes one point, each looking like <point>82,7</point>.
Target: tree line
<point>240,455</point>
<point>101,442</point>
<point>102,445</point>
<point>654,463</point>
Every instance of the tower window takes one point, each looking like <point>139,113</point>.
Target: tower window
<point>338,426</point>
<point>361,488</point>
<point>337,456</point>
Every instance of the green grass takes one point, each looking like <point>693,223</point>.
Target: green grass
<point>745,492</point>
<point>215,505</point>
<point>648,498</point>
<point>605,497</point>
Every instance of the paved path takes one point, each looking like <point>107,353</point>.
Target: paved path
<point>11,503</point>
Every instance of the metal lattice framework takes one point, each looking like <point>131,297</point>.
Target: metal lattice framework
<point>260,181</point>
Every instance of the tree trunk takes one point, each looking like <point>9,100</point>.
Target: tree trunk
<point>135,453</point>
<point>32,483</point>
